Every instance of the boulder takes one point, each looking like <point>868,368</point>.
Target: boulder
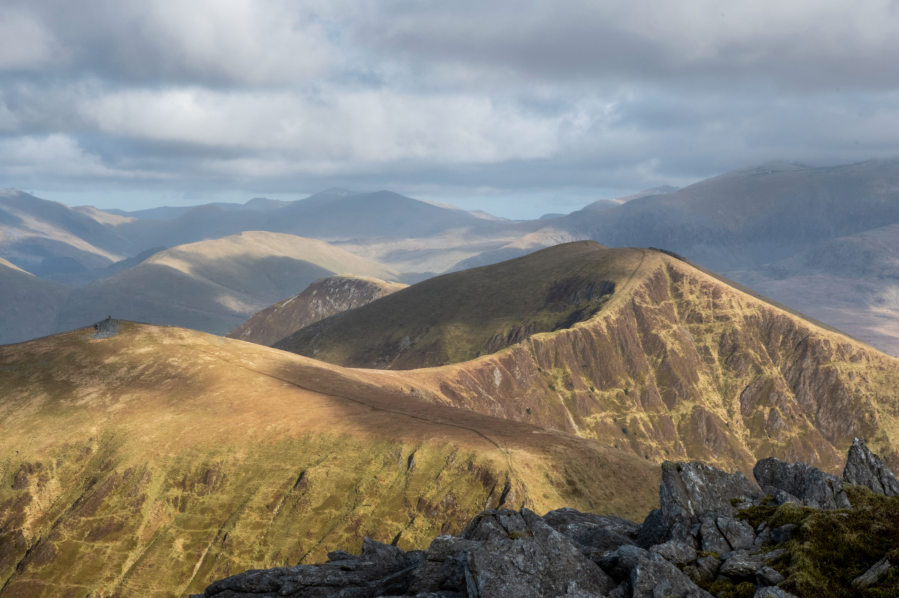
<point>870,577</point>
<point>677,553</point>
<point>704,570</point>
<point>649,575</point>
<point>742,565</point>
<point>689,490</point>
<point>814,487</point>
<point>866,469</point>
<point>772,592</point>
<point>738,534</point>
<point>766,576</point>
<point>595,533</point>
<point>518,555</point>
<point>784,533</point>
<point>711,537</point>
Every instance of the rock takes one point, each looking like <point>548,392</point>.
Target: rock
<point>866,469</point>
<point>766,576</point>
<point>520,555</point>
<point>763,536</point>
<point>704,570</point>
<point>814,487</point>
<point>648,571</point>
<point>872,575</point>
<point>772,592</point>
<point>385,554</point>
<point>712,538</point>
<point>783,533</point>
<point>689,490</point>
<point>341,555</point>
<point>677,553</point>
<point>738,534</point>
<point>742,565</point>
<point>599,533</point>
<point>106,328</point>
<point>781,497</point>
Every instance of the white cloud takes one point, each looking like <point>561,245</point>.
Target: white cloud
<point>25,42</point>
<point>54,156</point>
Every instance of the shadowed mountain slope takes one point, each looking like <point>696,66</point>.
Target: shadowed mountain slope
<point>323,299</point>
<point>851,282</point>
<point>28,305</point>
<point>737,220</point>
<point>155,460</point>
<point>213,285</point>
<point>674,363</point>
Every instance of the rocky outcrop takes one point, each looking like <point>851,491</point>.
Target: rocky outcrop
<point>866,469</point>
<point>698,543</point>
<point>322,299</point>
<point>811,486</point>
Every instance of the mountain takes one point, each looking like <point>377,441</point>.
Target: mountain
<point>851,282</point>
<point>53,240</point>
<point>635,348</point>
<point>738,220</point>
<point>142,460</point>
<point>35,233</point>
<point>213,285</point>
<point>322,299</point>
<point>29,305</point>
<point>259,204</point>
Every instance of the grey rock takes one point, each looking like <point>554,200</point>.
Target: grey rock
<point>772,592</point>
<point>738,534</point>
<point>623,590</point>
<point>872,575</point>
<point>742,565</point>
<point>678,553</point>
<point>106,328</point>
<point>704,570</point>
<point>763,537</point>
<point>712,538</point>
<point>647,571</point>
<point>866,469</point>
<point>600,533</point>
<point>781,497</point>
<point>689,490</point>
<point>814,487</point>
<point>528,558</point>
<point>766,576</point>
<point>341,555</point>
<point>784,533</point>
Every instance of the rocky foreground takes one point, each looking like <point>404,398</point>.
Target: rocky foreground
<point>800,532</point>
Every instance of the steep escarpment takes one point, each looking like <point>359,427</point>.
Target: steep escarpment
<point>675,363</point>
<point>322,299</point>
<point>151,461</point>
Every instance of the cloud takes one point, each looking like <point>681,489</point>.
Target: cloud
<point>498,99</point>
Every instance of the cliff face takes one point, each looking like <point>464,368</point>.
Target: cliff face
<point>322,299</point>
<point>679,365</point>
<point>158,450</point>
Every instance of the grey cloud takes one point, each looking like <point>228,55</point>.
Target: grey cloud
<point>515,103</point>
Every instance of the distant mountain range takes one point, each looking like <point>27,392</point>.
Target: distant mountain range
<point>738,224</point>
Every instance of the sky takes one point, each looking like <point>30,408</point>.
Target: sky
<point>518,108</point>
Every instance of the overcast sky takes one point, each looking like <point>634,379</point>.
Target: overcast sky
<point>516,107</point>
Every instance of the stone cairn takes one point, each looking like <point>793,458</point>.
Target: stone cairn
<point>518,554</point>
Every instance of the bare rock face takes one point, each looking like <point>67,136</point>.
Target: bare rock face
<point>649,575</point>
<point>592,533</point>
<point>105,328</point>
<point>812,486</point>
<point>324,298</point>
<point>866,469</point>
<point>689,490</point>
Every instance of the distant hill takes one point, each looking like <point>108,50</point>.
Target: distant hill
<point>213,285</point>
<point>34,230</point>
<point>28,305</point>
<point>51,239</point>
<point>738,220</point>
<point>259,204</point>
<point>633,347</point>
<point>851,282</point>
<point>156,460</point>
<point>322,299</point>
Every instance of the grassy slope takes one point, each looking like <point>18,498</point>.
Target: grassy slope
<point>677,364</point>
<point>322,299</point>
<point>155,461</point>
<point>214,285</point>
